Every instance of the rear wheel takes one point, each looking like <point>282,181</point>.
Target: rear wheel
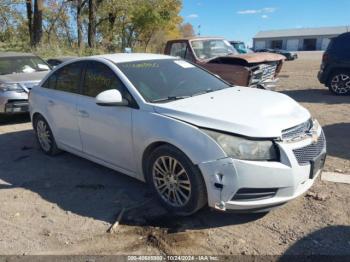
<point>45,137</point>
<point>177,183</point>
<point>339,82</point>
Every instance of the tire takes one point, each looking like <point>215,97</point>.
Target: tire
<point>339,82</point>
<point>182,191</point>
<point>45,137</point>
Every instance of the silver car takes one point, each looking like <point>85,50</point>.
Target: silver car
<point>19,72</point>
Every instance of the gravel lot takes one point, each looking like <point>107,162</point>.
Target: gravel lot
<point>65,204</point>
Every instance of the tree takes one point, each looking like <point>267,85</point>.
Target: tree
<point>187,30</point>
<point>29,6</point>
<point>38,22</point>
<point>92,24</point>
<point>153,16</point>
<point>53,14</point>
<point>107,25</point>
<point>35,21</point>
<point>80,4</point>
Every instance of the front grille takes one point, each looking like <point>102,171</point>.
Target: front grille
<point>264,72</point>
<point>308,153</point>
<point>252,194</point>
<point>297,131</point>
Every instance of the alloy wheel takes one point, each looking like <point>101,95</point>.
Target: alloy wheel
<point>171,181</point>
<point>340,84</point>
<point>43,134</point>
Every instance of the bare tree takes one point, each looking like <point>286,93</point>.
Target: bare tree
<point>80,5</point>
<point>38,22</point>
<point>92,24</point>
<point>29,6</point>
<point>35,21</point>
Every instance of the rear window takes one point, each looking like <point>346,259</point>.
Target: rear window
<point>341,43</point>
<point>65,79</point>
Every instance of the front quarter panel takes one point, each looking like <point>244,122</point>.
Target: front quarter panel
<point>150,127</point>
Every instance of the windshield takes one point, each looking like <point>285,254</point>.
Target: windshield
<point>22,64</point>
<point>167,79</point>
<point>206,49</point>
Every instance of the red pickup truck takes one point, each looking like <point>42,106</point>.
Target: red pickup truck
<point>218,56</point>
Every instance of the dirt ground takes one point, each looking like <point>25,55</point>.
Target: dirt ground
<point>65,204</point>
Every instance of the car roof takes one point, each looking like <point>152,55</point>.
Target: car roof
<point>198,38</point>
<point>127,57</point>
<point>15,54</point>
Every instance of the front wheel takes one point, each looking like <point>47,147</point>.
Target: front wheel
<point>177,183</point>
<point>339,83</point>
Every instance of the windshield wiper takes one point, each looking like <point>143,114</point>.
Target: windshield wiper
<point>169,98</point>
<point>209,90</point>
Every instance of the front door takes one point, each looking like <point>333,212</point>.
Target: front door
<point>106,131</point>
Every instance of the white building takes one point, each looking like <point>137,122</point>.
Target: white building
<point>301,39</point>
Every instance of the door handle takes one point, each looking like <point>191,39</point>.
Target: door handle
<point>83,113</point>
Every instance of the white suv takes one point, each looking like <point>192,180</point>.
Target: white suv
<point>195,139</point>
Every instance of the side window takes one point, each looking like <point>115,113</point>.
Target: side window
<point>68,78</point>
<point>99,78</point>
<point>189,55</point>
<point>178,50</point>
<point>51,82</point>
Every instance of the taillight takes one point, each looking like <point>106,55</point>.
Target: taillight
<point>325,57</point>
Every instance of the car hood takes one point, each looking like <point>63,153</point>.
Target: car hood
<point>245,111</point>
<point>253,58</point>
<point>23,77</point>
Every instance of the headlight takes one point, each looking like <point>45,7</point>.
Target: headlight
<point>241,148</point>
<point>11,87</point>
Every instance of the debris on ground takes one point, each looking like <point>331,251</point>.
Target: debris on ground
<point>317,196</point>
<point>116,223</point>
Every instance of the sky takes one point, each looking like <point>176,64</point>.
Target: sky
<point>242,19</point>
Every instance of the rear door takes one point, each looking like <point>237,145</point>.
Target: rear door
<point>63,89</point>
<point>106,131</point>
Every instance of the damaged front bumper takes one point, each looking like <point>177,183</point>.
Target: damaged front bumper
<point>263,76</point>
<point>269,84</point>
<point>256,186</point>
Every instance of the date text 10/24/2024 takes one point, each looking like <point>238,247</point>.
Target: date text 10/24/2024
<point>172,258</point>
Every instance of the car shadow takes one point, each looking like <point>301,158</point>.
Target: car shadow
<point>316,96</point>
<point>14,119</point>
<point>82,187</point>
<point>327,244</point>
<point>337,140</point>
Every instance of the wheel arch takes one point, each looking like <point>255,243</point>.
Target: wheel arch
<point>34,117</point>
<point>149,149</point>
<point>333,70</point>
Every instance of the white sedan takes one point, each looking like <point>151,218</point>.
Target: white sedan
<point>192,137</point>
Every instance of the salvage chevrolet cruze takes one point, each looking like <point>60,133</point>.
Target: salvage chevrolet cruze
<point>195,139</point>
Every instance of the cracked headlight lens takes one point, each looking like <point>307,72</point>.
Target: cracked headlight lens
<point>11,87</point>
<point>245,149</point>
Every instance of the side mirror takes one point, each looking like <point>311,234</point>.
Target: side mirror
<point>111,97</point>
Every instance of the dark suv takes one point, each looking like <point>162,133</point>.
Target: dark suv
<point>335,68</point>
